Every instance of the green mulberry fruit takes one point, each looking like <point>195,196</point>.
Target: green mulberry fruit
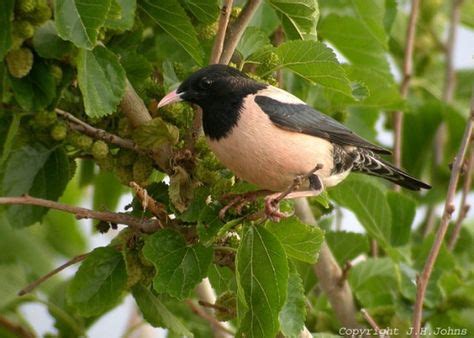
<point>100,149</point>
<point>57,73</point>
<point>142,170</point>
<point>81,141</point>
<point>23,29</point>
<point>207,32</point>
<point>45,119</point>
<point>19,62</point>
<point>41,14</point>
<point>179,70</point>
<point>59,131</point>
<point>126,157</point>
<point>25,6</point>
<point>235,12</point>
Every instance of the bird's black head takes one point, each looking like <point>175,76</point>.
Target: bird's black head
<point>219,90</point>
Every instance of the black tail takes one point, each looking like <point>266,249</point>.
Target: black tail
<point>367,162</point>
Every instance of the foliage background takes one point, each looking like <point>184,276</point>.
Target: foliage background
<point>78,55</point>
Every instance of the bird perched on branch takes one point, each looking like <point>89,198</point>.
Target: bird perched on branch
<point>268,137</point>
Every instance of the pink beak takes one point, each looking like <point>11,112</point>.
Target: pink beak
<point>171,97</point>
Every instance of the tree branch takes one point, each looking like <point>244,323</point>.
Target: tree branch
<point>97,133</point>
<point>30,287</point>
<point>237,29</point>
<point>147,226</point>
<point>423,280</point>
<point>221,31</point>
<point>16,329</point>
<point>330,274</point>
<point>464,204</point>
<point>206,316</point>
<point>406,76</point>
<point>373,324</point>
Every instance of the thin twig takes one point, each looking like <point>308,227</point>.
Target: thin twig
<point>30,287</point>
<point>206,316</point>
<point>422,281</point>
<point>97,133</point>
<point>373,323</point>
<point>345,273</point>
<point>149,203</point>
<point>464,204</point>
<point>296,183</point>
<point>213,306</point>
<point>118,218</point>
<point>16,329</point>
<point>406,76</point>
<point>237,29</point>
<point>221,31</point>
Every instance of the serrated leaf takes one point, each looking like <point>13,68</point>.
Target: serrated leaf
<point>79,20</point>
<point>316,63</point>
<point>251,41</point>
<point>368,202</point>
<point>299,18</point>
<point>6,15</point>
<point>172,18</point>
<point>179,267</point>
<point>293,314</point>
<point>346,245</point>
<point>156,313</point>
<point>403,213</point>
<point>123,16</point>
<point>29,171</point>
<point>99,283</point>
<point>209,223</point>
<point>101,80</point>
<point>205,11</point>
<point>262,279</point>
<point>36,90</point>
<point>156,133</point>
<point>301,241</point>
<point>137,67</point>
<point>48,44</point>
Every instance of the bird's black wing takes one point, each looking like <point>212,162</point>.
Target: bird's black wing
<point>301,118</point>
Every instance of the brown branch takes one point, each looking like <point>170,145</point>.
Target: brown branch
<point>237,29</point>
<point>406,76</point>
<point>149,203</point>
<point>422,281</point>
<point>30,287</point>
<point>134,108</point>
<point>373,324</point>
<point>118,218</point>
<point>213,306</point>
<point>16,329</point>
<point>221,31</point>
<point>464,204</point>
<point>206,316</point>
<point>329,274</point>
<point>97,133</point>
<point>345,273</point>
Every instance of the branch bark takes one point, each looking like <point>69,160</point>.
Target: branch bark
<point>147,226</point>
<point>221,32</point>
<point>373,324</point>
<point>237,29</point>
<point>330,275</point>
<point>422,282</point>
<point>406,77</point>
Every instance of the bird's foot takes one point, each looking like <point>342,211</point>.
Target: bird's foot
<point>238,202</point>
<point>272,208</point>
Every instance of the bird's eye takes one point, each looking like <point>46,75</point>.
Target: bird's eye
<point>205,83</point>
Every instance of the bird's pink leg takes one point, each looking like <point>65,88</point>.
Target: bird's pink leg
<point>239,201</point>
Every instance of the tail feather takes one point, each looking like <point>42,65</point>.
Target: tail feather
<point>367,162</point>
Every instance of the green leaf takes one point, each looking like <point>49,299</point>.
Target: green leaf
<point>36,90</point>
<point>48,44</point>
<point>137,67</point>
<point>179,267</point>
<point>30,170</point>
<point>79,21</point>
<point>156,133</point>
<point>299,18</point>
<point>374,282</point>
<point>316,63</point>
<point>156,313</point>
<point>403,213</point>
<point>209,223</point>
<point>251,41</point>
<point>262,280</point>
<point>125,16</point>
<point>205,11</point>
<point>13,129</point>
<point>467,14</point>
<point>367,200</point>
<point>301,241</point>
<point>12,278</point>
<point>99,283</point>
<point>346,245</point>
<point>293,314</point>
<point>172,18</point>
<point>6,15</point>
<point>222,278</point>
<point>101,80</point>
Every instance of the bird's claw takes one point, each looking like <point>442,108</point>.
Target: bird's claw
<point>238,202</point>
<point>272,209</point>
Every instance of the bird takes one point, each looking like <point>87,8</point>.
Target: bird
<point>269,137</point>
